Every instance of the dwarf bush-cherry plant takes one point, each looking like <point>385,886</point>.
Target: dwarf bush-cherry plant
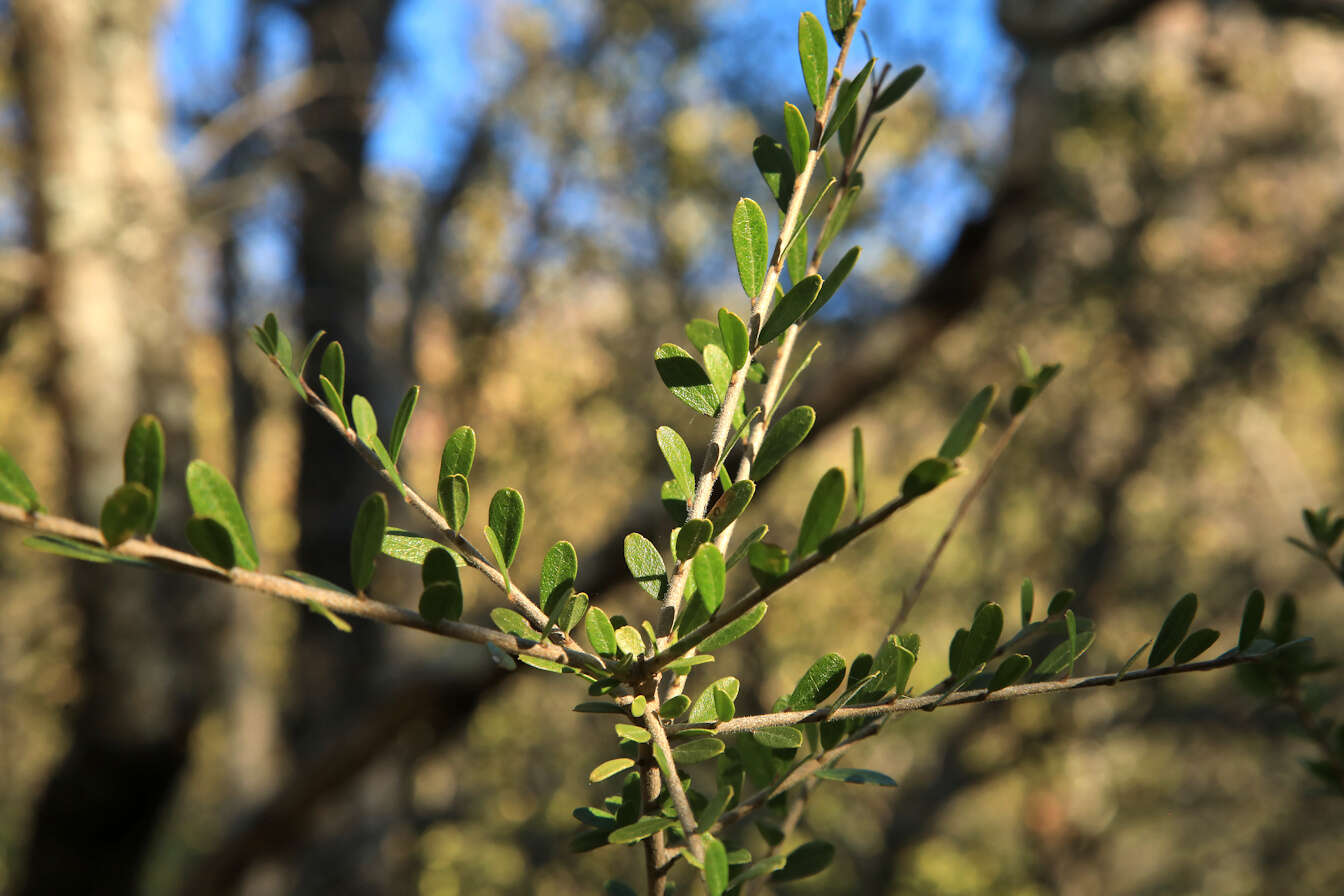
<point>689,780</point>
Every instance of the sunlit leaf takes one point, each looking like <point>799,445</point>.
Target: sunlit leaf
<point>784,435</point>
<point>735,344</point>
<point>601,633</point>
<point>694,751</point>
<point>845,101</point>
<point>609,768</point>
<point>15,487</point>
<point>795,302</point>
<point>686,379</point>
<point>126,513</point>
<point>212,496</point>
<point>143,462</point>
<point>776,169</point>
<point>768,563</point>
<point>367,539</point>
<point>818,682</point>
<point>645,564</point>
<point>690,536</point>
<point>969,424</point>
<point>705,709</point>
<point>735,629</point>
<point>365,420</point>
<point>813,54</point>
<point>710,575</point>
<point>799,140</point>
<point>506,518</point>
<point>211,540</point>
<point>731,505</point>
<point>78,550</point>
<point>559,570</point>
<point>401,421</point>
<point>750,245</point>
<point>454,499</point>
<point>780,737</point>
<point>823,511</point>
<point>458,453</point>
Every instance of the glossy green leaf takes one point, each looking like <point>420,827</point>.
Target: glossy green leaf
<point>674,707</point>
<point>15,487</point>
<point>506,518</point>
<point>601,633</point>
<point>645,564</point>
<point>735,629</point>
<point>750,246</point>
<point>705,709</point>
<point>211,495</point>
<point>512,622</point>
<point>492,539</point>
<point>678,458</point>
<point>779,737</point>
<point>719,370</point>
<point>1196,643</point>
<point>797,136</point>
<point>838,13</point>
<point>308,350</point>
<point>1010,671</point>
<point>1028,601</point>
<point>735,341</point>
<point>630,641</point>
<point>768,563</point>
<point>632,733</point>
<point>673,500</point>
<point>730,505</point>
<point>985,631</point>
<point>969,424</point>
<point>333,368</point>
<point>367,539</point>
<point>126,513</point>
<point>143,461</point>
<point>701,750</point>
<point>78,550</point>
<point>710,575</point>
<point>271,327</point>
<point>898,88</point>
<point>334,400</point>
<point>823,511</point>
<point>210,539</point>
<point>809,859</point>
<point>724,710</point>
<point>686,379</point>
<point>401,421</point>
<point>458,453</point>
<point>818,682</point>
<point>925,476</point>
<point>845,101</point>
<point>789,309</point>
<point>1251,617</point>
<point>454,499</point>
<point>776,169</point>
<point>702,333</point>
<point>1173,630</point>
<point>440,565</point>
<point>835,222</point>
<point>740,552</point>
<point>408,546</point>
<point>609,768</point>
<point>570,611</point>
<point>784,435</point>
<point>441,601</point>
<point>559,570</point>
<point>856,776</point>
<point>813,54</point>
<point>365,420</point>
<point>716,866</point>
<point>690,536</point>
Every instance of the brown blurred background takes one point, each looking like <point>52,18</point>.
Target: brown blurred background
<point>513,204</point>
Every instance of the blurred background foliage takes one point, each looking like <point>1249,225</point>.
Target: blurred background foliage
<point>513,204</point>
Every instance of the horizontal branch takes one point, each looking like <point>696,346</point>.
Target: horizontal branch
<point>295,591</point>
<point>933,701</point>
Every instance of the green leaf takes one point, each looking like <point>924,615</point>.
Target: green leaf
<point>724,710</point>
<point>512,622</point>
<point>716,866</point>
<point>836,221</point>
<point>632,732</point>
<point>126,513</point>
<point>898,88</point>
<point>630,641</point>
<point>845,100</point>
<point>143,461</point>
<point>211,495</point>
<point>848,127</point>
<point>673,500</point>
<point>336,622</point>
<point>776,169</point>
<point>497,548</point>
<point>702,333</point>
<point>700,750</point>
<point>1028,600</point>
<point>813,54</point>
<point>740,551</point>
<point>799,232</point>
<point>334,400</point>
<point>1251,617</point>
<point>1060,602</point>
<point>405,545</point>
<point>317,582</point>
<point>856,776</point>
<point>440,601</point>
<point>768,563</point>
<point>458,453</point>
<point>805,861</point>
<point>307,353</point>
<point>705,709</point>
<point>212,541</point>
<point>735,629</point>
<point>735,342</point>
<point>678,458</point>
<point>570,612</point>
<point>710,575</point>
<point>690,536</point>
<point>609,768</point>
<point>645,827</point>
<point>796,257</point>
<point>454,499</point>
<point>366,421</point>
<point>271,328</point>
<point>401,421</point>
<point>799,140</point>
<point>686,379</point>
<point>823,511</point>
<point>1195,644</point>
<point>818,682</point>
<point>559,571</point>
<point>506,518</point>
<point>751,246</point>
<point>779,737</point>
<point>645,564</point>
<point>78,550</point>
<point>367,539</point>
<point>599,707</point>
<point>15,488</point>
<point>674,706</point>
<point>333,368</point>
<point>795,302</point>
<point>1062,658</point>
<point>925,476</point>
<point>1010,671</point>
<point>970,423</point>
<point>984,633</point>
<point>838,13</point>
<point>731,505</point>
<point>1173,629</point>
<point>601,633</point>
<point>784,435</point>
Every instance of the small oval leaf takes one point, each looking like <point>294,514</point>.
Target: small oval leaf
<point>366,541</point>
<point>211,495</point>
<point>601,633</point>
<point>969,424</point>
<point>212,541</point>
<point>823,511</point>
<point>784,435</point>
<point>731,505</point>
<point>401,421</point>
<point>441,601</point>
<point>506,519</point>
<point>686,379</point>
<point>813,56</point>
<point>126,513</point>
<point>454,499</point>
<point>750,245</point>
<point>678,458</point>
<point>559,571</point>
<point>458,453</point>
<point>1173,630</point>
<point>143,461</point>
<point>645,564</point>
<point>793,306</point>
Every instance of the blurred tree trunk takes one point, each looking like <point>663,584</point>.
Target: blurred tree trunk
<point>108,214</point>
